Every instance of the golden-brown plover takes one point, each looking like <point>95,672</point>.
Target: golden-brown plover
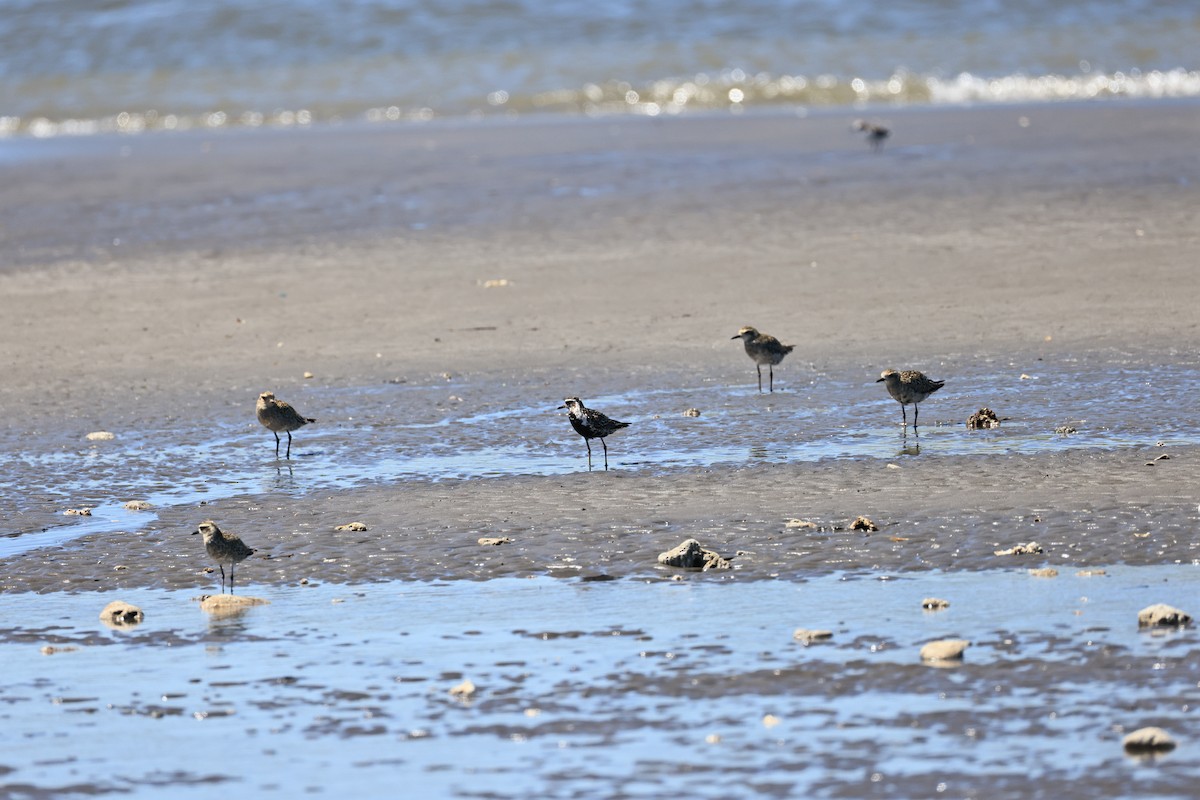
<point>907,387</point>
<point>591,424</point>
<point>876,133</point>
<point>223,548</point>
<point>276,416</point>
<point>763,349</point>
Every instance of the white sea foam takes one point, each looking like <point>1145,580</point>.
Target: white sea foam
<point>75,68</point>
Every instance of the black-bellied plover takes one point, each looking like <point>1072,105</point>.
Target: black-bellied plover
<point>907,387</point>
<point>276,416</point>
<point>223,548</point>
<point>763,349</point>
<point>591,424</point>
<point>876,133</point>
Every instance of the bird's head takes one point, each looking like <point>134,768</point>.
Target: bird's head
<point>208,529</point>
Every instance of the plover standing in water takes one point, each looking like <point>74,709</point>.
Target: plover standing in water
<point>277,416</point>
<point>876,133</point>
<point>591,424</point>
<point>763,349</point>
<point>907,387</point>
<point>223,548</point>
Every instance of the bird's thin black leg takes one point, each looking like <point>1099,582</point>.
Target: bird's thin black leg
<point>589,447</point>
<point>605,453</point>
<point>222,568</point>
<point>771,370</point>
<point>289,450</point>
<point>904,414</point>
<point>758,367</point>
<point>276,443</point>
<point>231,566</point>
<point>916,411</point>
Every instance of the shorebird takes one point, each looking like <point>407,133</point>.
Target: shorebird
<point>276,416</point>
<point>591,424</point>
<point>907,387</point>
<point>763,349</point>
<point>875,133</point>
<point>223,548</point>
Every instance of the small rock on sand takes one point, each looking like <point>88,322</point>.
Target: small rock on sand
<point>800,523</point>
<point>137,505</point>
<point>692,412</point>
<point>463,690</point>
<point>119,614</point>
<point>808,636</point>
<point>1162,615</point>
<point>77,512</point>
<point>1090,573</point>
<point>982,419</point>
<point>944,650</point>
<point>1032,548</point>
<point>863,524</point>
<point>1066,430</point>
<point>100,436</point>
<point>1149,740</point>
<point>691,555</point>
<point>493,541</point>
<point>934,604</point>
<point>229,603</point>
<point>1044,572</point>
<point>352,526</point>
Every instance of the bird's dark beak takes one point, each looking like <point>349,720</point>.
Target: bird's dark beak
<point>879,381</point>
<point>735,337</point>
<point>195,532</point>
<point>561,408</point>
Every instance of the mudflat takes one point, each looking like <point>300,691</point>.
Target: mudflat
<point>431,292</point>
<point>154,285</point>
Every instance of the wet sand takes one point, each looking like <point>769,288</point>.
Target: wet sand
<point>159,283</point>
<point>933,513</point>
<point>447,284</point>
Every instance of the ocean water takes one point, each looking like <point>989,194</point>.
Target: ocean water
<point>80,66</point>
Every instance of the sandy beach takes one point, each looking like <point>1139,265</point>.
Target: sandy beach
<point>446,284</point>
<point>155,285</point>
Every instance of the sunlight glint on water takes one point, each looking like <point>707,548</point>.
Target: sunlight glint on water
<point>810,419</point>
<point>135,65</point>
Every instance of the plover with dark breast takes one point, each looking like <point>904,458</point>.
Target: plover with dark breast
<point>876,133</point>
<point>276,416</point>
<point>907,387</point>
<point>591,424</point>
<point>223,548</point>
<point>763,349</point>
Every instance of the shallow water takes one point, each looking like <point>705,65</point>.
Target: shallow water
<point>392,433</point>
<point>131,65</point>
<point>602,689</point>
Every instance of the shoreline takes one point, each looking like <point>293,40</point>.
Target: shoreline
<point>126,123</point>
